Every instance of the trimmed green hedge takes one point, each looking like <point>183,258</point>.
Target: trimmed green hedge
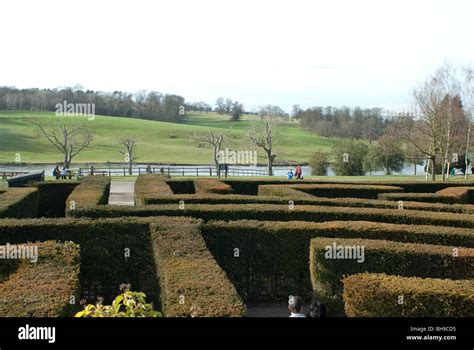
<point>381,295</point>
<point>151,186</point>
<point>44,288</point>
<point>269,212</point>
<point>191,282</point>
<point>52,196</point>
<point>113,251</point>
<point>404,259</point>
<point>465,194</point>
<point>93,191</point>
<point>19,202</point>
<point>136,251</point>
<point>206,186</point>
<point>181,186</point>
<point>282,191</point>
<point>301,198</point>
<point>272,261</point>
<point>249,186</point>
<point>344,190</point>
<point>423,197</point>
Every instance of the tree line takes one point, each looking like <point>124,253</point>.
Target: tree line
<point>143,104</point>
<point>344,122</point>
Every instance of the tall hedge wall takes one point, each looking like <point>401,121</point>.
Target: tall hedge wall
<point>424,197</point>
<point>191,282</point>
<point>381,295</point>
<point>151,186</point>
<point>113,251</point>
<point>404,259</point>
<point>285,194</point>
<point>44,288</point>
<point>206,186</point>
<point>262,212</point>
<point>93,191</point>
<point>19,202</point>
<point>250,186</point>
<point>52,196</point>
<point>272,260</point>
<point>345,190</point>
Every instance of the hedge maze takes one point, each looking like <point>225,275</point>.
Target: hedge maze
<point>207,247</point>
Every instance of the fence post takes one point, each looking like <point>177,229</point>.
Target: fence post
<point>197,171</point>
<point>210,172</point>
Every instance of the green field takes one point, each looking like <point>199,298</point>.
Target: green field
<point>158,142</point>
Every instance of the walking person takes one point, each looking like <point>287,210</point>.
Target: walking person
<point>289,175</point>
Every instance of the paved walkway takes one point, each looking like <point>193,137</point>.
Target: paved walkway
<point>275,309</point>
<point>122,193</point>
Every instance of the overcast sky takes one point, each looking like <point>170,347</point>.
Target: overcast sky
<point>367,53</point>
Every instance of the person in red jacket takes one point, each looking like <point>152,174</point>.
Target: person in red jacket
<point>298,172</point>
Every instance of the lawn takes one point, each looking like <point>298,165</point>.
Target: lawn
<point>158,142</point>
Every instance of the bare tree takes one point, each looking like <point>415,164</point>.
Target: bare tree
<point>215,140</point>
<point>262,135</point>
<point>70,139</point>
<point>425,133</point>
<point>128,155</point>
<point>446,76</point>
<point>467,96</point>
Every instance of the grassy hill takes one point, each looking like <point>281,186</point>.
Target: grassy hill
<point>156,141</point>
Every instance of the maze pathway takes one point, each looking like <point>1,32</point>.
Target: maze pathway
<point>122,193</point>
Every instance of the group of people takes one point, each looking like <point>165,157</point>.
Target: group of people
<point>298,174</point>
<point>295,306</point>
<point>61,173</point>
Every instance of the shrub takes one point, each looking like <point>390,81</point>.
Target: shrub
<point>45,288</point>
<point>388,154</point>
<point>272,262</point>
<point>205,186</point>
<point>19,202</point>
<point>150,186</point>
<point>378,295</point>
<point>319,163</point>
<point>353,191</point>
<point>191,282</point>
<point>93,191</point>
<point>349,158</point>
<point>404,259</point>
<point>52,196</point>
<point>127,304</point>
